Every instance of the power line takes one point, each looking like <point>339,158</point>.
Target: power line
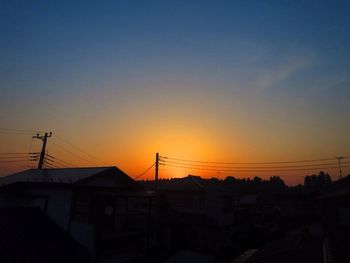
<point>13,157</point>
<point>138,176</point>
<point>57,160</point>
<point>252,163</point>
<point>52,159</point>
<point>30,145</point>
<point>64,163</point>
<point>6,131</point>
<point>48,161</point>
<point>250,171</point>
<point>260,175</point>
<point>17,158</point>
<point>13,133</point>
<point>15,153</point>
<point>72,153</point>
<point>249,167</point>
<point>339,164</point>
<point>79,149</point>
<point>18,130</point>
<point>13,161</point>
<point>50,166</point>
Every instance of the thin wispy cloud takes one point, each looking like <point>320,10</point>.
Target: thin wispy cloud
<point>269,77</point>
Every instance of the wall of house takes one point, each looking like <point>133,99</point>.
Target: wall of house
<point>215,206</point>
<point>84,233</point>
<point>55,202</point>
<point>59,207</point>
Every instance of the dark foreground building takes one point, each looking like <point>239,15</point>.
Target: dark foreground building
<point>320,232</point>
<point>28,235</point>
<point>102,208</point>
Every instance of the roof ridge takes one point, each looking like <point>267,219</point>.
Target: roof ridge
<point>196,182</point>
<point>62,168</point>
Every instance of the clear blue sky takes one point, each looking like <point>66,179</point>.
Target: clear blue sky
<point>269,78</point>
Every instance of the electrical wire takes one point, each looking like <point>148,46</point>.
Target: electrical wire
<point>50,166</point>
<point>252,163</point>
<point>78,148</point>
<point>13,161</point>
<point>52,162</point>
<point>143,173</point>
<point>15,153</point>
<point>59,161</point>
<point>47,161</point>
<point>14,157</point>
<point>14,133</point>
<point>250,171</point>
<point>72,153</point>
<point>6,131</point>
<point>251,167</point>
<point>17,130</point>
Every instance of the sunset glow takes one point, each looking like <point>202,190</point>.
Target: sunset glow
<point>218,82</point>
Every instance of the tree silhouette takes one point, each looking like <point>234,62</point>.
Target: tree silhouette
<point>317,181</point>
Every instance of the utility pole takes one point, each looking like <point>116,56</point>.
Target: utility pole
<point>157,201</point>
<point>156,173</point>
<point>340,173</point>
<point>43,149</point>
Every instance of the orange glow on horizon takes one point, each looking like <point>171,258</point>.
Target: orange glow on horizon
<point>135,153</point>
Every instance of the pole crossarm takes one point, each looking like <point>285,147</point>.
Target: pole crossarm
<point>43,149</point>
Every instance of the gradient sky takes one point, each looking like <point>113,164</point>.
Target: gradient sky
<point>240,81</point>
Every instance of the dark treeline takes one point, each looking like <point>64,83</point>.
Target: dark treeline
<point>317,181</point>
<point>255,184</point>
<point>264,210</point>
<point>258,184</point>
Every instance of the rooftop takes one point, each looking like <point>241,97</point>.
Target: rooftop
<point>62,175</point>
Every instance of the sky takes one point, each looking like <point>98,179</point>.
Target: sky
<point>220,81</point>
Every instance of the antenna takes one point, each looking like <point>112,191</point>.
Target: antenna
<point>340,172</point>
